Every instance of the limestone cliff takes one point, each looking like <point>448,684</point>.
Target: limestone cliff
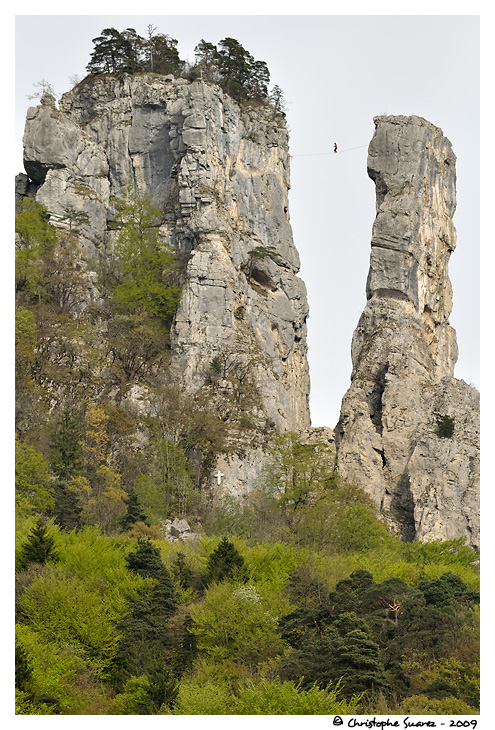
<point>404,349</point>
<point>220,174</point>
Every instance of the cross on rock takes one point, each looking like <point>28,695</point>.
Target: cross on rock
<point>219,476</point>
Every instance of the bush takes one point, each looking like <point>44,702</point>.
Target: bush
<point>287,698</point>
<point>445,427</point>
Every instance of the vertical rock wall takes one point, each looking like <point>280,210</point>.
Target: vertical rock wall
<point>221,176</point>
<point>404,349</point>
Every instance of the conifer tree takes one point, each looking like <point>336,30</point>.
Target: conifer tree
<point>39,546</point>
<point>65,447</point>
<point>135,512</point>
<point>145,625</point>
<point>226,563</point>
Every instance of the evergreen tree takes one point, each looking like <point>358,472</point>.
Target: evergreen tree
<point>67,510</point>
<point>66,455</point>
<point>163,56</point>
<point>135,512</point>
<point>205,55</point>
<point>115,52</point>
<point>234,64</point>
<point>226,563</point>
<point>144,627</point>
<point>39,546</point>
<point>343,653</point>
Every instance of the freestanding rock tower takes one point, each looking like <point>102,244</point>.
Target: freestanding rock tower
<point>423,478</point>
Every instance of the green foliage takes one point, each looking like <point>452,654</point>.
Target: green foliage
<point>39,546</point>
<point>226,563</point>
<point>287,698</point>
<point>203,698</point>
<point>240,75</point>
<point>23,671</point>
<point>65,446</point>
<point>63,610</point>
<point>423,705</point>
<point>145,634</point>
<point>146,265</point>
<point>445,426</point>
<point>341,651</point>
<point>35,239</point>
<point>32,477</point>
<point>127,52</point>
<point>135,512</point>
<point>295,469</point>
<point>228,64</point>
<point>234,623</point>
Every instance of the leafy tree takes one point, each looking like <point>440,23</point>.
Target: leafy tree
<point>171,471</point>
<point>288,698</point>
<point>235,623</point>
<point>61,609</point>
<point>32,477</point>
<point>203,698</point>
<point>35,240</point>
<point>295,469</point>
<point>226,563</point>
<point>147,267</point>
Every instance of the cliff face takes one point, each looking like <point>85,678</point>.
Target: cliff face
<point>221,176</point>
<point>404,350</point>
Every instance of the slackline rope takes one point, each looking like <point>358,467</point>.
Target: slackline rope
<point>317,154</point>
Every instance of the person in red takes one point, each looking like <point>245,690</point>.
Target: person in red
<point>335,146</point>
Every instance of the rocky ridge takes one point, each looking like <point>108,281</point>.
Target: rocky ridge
<point>404,350</point>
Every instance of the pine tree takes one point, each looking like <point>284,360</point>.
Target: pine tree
<point>146,635</point>
<point>39,546</point>
<point>65,447</point>
<point>226,563</point>
<point>115,52</point>
<point>135,512</point>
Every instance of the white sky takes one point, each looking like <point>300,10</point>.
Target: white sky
<point>337,72</point>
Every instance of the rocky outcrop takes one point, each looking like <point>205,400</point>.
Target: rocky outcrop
<point>426,485</point>
<point>220,174</point>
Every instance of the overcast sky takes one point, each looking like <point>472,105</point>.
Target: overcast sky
<point>337,72</point>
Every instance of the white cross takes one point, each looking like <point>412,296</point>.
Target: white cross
<point>219,476</point>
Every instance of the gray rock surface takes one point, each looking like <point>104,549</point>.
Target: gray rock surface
<point>221,176</point>
<point>404,349</point>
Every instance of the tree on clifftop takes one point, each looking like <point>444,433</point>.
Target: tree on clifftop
<point>114,51</point>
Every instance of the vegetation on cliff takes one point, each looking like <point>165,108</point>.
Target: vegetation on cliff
<point>229,64</point>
